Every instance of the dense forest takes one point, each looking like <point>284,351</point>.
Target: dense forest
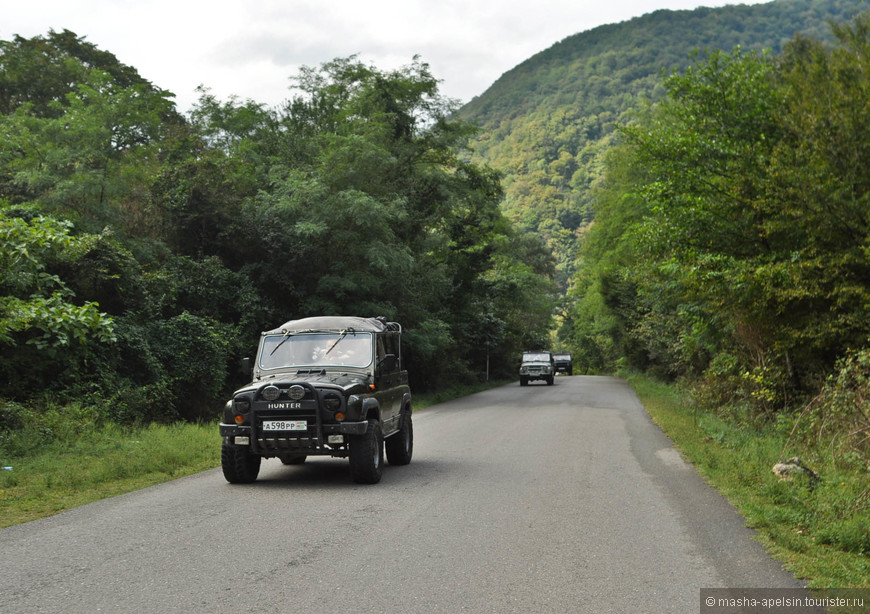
<point>142,252</point>
<point>731,233</point>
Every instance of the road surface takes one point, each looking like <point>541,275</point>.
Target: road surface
<point>534,499</point>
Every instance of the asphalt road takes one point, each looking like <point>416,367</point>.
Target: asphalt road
<point>536,499</point>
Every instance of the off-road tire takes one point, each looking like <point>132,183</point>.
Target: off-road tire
<point>400,446</point>
<point>524,381</point>
<point>367,455</point>
<point>550,380</point>
<point>238,464</point>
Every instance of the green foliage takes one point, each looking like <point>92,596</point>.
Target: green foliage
<point>731,229</point>
<point>193,353</point>
<point>41,71</point>
<point>840,414</point>
<point>85,161</point>
<point>355,197</point>
<point>549,123</point>
<point>24,428</point>
<point>38,318</point>
<point>367,208</point>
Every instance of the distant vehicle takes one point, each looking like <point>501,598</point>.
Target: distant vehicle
<point>537,365</point>
<point>564,363</point>
<point>322,386</point>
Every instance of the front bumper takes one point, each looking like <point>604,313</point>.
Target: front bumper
<point>312,442</point>
<point>536,374</point>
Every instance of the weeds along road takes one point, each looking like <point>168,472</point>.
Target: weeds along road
<point>562,498</point>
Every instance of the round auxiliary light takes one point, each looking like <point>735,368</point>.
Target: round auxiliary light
<point>296,392</point>
<point>270,393</point>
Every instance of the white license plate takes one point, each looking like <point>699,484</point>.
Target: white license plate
<point>285,425</point>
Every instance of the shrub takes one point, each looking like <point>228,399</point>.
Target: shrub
<point>841,412</point>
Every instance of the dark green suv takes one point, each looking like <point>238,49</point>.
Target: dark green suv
<point>322,386</point>
<point>564,363</point>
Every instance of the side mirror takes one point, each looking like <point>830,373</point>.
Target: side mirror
<point>247,367</point>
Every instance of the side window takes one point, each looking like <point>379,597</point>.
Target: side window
<point>392,344</point>
<point>389,344</point>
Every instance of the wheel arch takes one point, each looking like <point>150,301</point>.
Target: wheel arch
<point>371,410</point>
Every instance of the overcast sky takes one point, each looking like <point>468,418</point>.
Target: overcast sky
<point>249,48</point>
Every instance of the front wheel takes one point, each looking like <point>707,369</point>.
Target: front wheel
<point>238,464</point>
<point>367,455</point>
<point>401,445</point>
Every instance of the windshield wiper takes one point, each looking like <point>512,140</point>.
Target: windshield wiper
<point>286,336</point>
<point>340,337</point>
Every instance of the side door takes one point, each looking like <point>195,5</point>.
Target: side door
<point>388,380</point>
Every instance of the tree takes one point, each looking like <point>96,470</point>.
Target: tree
<point>737,247</point>
<point>44,330</point>
<point>368,206</point>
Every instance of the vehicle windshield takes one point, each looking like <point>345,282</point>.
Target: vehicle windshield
<point>334,349</point>
<point>562,356</point>
<point>536,357</point>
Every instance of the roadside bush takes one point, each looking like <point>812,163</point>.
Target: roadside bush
<point>194,352</point>
<point>840,414</point>
<point>28,426</point>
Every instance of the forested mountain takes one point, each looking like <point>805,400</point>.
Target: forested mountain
<point>547,123</point>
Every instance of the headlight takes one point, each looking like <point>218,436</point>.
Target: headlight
<point>331,401</point>
<point>241,404</point>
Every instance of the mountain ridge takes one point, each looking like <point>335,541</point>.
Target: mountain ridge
<point>547,123</point>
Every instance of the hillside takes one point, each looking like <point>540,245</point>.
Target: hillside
<point>546,123</point>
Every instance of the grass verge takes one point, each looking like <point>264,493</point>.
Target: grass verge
<point>819,531</point>
<point>81,466</point>
<point>109,460</point>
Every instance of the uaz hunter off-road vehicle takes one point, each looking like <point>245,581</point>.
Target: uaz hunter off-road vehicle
<point>322,386</point>
<point>537,365</point>
<point>564,363</point>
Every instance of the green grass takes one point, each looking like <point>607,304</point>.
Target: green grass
<point>85,462</point>
<point>107,461</point>
<point>820,532</point>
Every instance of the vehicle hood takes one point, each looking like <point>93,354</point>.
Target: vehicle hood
<point>330,379</point>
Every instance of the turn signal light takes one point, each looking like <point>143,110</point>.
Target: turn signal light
<point>239,419</point>
<point>340,416</point>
